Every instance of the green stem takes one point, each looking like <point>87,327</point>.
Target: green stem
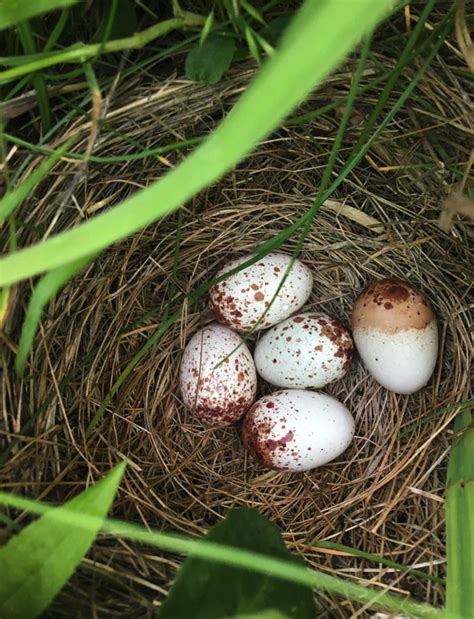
<point>81,53</point>
<point>460,520</point>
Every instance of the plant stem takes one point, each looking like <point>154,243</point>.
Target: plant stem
<point>81,53</point>
<point>460,520</point>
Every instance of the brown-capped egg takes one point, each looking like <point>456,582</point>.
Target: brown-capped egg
<point>240,300</point>
<point>297,430</point>
<point>306,350</point>
<point>395,332</point>
<point>217,376</point>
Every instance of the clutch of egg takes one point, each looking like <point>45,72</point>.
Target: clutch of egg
<point>297,430</point>
<point>395,332</point>
<point>217,377</point>
<point>240,301</point>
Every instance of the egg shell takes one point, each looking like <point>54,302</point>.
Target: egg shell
<point>220,395</point>
<point>297,430</point>
<point>240,300</point>
<point>306,350</point>
<point>395,332</point>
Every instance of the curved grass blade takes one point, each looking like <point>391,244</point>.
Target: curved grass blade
<point>12,12</point>
<point>319,37</point>
<point>37,563</point>
<point>44,291</point>
<point>460,520</point>
<point>235,557</point>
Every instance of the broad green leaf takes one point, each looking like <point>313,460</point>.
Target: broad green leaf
<point>43,292</point>
<point>37,563</point>
<point>214,591</point>
<point>236,557</point>
<point>319,37</point>
<point>208,62</point>
<point>14,11</point>
<point>273,31</point>
<point>460,520</point>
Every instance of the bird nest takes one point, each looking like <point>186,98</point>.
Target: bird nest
<point>384,495</point>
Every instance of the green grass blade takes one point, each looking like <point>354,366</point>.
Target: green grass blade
<point>37,563</point>
<point>438,37</point>
<point>14,198</point>
<point>319,37</point>
<point>381,560</point>
<point>460,520</point>
<point>27,40</point>
<point>12,12</point>
<point>57,30</point>
<point>144,154</point>
<point>395,75</point>
<point>232,556</point>
<point>44,291</point>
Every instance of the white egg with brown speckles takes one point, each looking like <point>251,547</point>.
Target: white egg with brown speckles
<point>297,430</point>
<point>240,301</point>
<point>217,377</point>
<point>396,334</point>
<point>306,350</point>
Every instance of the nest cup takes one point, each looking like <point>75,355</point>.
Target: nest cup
<point>384,495</point>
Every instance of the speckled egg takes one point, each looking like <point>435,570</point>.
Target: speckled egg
<point>395,332</point>
<point>240,300</point>
<point>218,380</point>
<point>297,430</point>
<point>306,350</point>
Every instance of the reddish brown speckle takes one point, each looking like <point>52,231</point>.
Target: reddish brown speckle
<point>280,443</point>
<point>298,319</point>
<point>409,308</point>
<point>258,296</point>
<point>398,292</point>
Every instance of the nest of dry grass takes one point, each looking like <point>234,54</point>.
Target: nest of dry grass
<point>385,494</point>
